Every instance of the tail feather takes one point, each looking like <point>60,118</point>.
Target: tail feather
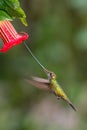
<point>69,102</point>
<point>74,108</point>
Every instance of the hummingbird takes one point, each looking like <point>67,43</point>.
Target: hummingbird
<point>49,84</point>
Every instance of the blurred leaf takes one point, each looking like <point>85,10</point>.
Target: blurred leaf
<point>12,9</point>
<point>58,38</point>
<point>4,15</point>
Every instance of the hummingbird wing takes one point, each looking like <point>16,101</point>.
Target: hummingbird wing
<point>41,80</point>
<point>39,83</point>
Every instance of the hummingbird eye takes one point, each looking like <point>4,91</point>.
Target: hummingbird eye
<point>53,75</point>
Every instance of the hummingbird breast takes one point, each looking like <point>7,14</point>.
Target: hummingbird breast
<point>55,87</point>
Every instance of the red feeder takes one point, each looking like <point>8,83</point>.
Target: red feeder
<point>9,36</point>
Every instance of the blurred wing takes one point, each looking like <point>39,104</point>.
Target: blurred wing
<point>41,80</point>
<point>39,83</point>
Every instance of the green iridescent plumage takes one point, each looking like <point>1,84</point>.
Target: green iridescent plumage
<point>49,84</point>
<point>58,91</point>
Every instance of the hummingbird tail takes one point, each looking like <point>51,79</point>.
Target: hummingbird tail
<point>73,107</point>
<point>69,102</point>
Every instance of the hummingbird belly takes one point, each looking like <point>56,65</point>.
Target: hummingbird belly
<point>58,91</point>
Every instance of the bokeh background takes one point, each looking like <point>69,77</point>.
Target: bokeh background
<point>58,38</point>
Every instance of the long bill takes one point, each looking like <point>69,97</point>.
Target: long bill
<point>29,50</point>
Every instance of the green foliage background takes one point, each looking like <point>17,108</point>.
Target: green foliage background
<point>58,38</point>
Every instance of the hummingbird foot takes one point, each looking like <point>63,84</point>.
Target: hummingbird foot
<point>58,97</point>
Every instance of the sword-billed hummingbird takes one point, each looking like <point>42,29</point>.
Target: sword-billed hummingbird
<point>49,84</point>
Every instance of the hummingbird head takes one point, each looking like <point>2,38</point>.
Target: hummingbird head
<point>51,75</point>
